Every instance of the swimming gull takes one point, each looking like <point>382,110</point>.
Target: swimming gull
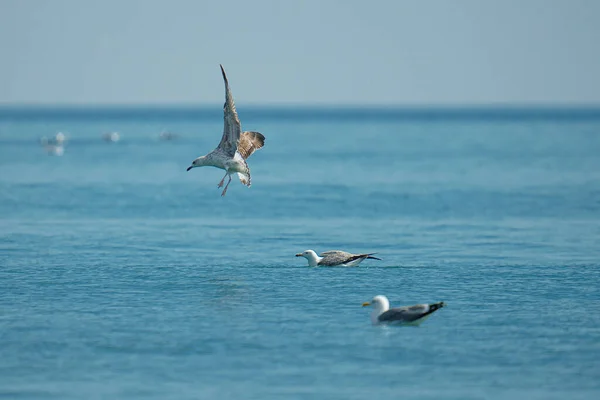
<point>111,137</point>
<point>334,258</point>
<point>59,140</point>
<point>166,135</point>
<point>54,147</point>
<point>235,147</point>
<point>408,315</point>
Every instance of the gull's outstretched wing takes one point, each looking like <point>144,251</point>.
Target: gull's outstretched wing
<point>250,142</point>
<point>232,128</point>
<point>409,313</point>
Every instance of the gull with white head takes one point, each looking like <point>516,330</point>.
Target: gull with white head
<point>335,258</point>
<point>54,146</point>
<point>408,315</point>
<point>235,147</point>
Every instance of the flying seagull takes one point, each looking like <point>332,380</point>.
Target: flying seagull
<point>235,147</point>
<point>408,315</point>
<point>334,258</point>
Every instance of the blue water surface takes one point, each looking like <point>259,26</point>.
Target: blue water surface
<point>123,276</point>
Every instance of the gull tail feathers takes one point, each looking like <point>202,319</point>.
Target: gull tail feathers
<point>245,179</point>
<point>373,258</point>
<point>436,306</point>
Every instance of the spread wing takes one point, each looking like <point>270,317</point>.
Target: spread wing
<point>409,313</point>
<point>250,142</point>
<point>232,128</point>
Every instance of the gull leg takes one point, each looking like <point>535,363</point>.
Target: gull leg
<point>226,186</point>
<point>220,185</point>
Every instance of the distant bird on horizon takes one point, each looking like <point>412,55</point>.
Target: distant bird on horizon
<point>166,135</point>
<point>54,146</point>
<point>335,258</point>
<point>408,315</point>
<point>111,137</point>
<point>58,140</point>
<point>235,147</point>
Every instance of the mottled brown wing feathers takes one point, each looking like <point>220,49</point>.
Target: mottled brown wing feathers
<point>231,127</point>
<point>250,142</point>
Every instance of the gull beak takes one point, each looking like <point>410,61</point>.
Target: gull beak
<point>190,167</point>
<point>299,255</point>
<point>366,304</point>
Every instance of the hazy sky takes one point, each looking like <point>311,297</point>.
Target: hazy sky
<point>446,52</point>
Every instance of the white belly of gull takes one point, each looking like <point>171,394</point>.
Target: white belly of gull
<point>232,165</point>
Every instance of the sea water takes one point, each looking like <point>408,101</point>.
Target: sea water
<point>123,276</point>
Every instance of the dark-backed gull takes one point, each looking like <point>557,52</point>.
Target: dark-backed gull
<point>334,258</point>
<point>408,315</point>
<point>235,147</point>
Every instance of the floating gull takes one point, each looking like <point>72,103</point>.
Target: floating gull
<point>409,315</point>
<point>166,135</point>
<point>111,137</point>
<point>334,258</point>
<point>54,146</point>
<point>235,147</point>
<point>59,140</point>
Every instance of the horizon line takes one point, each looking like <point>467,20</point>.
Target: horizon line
<point>312,105</point>
<point>304,112</point>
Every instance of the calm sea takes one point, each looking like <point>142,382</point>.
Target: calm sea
<point>122,276</point>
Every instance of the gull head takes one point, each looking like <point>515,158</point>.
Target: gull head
<point>379,302</point>
<point>198,162</point>
<point>380,305</point>
<point>311,256</point>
